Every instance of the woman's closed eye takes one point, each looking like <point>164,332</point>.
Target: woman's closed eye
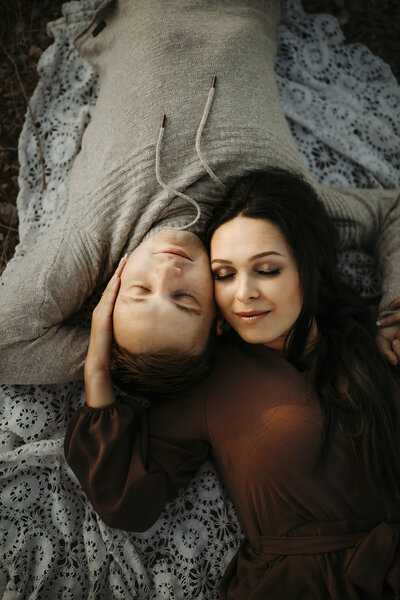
<point>270,272</point>
<point>221,276</point>
<point>224,276</point>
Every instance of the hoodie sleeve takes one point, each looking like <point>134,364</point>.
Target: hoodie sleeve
<point>38,342</point>
<point>376,224</point>
<point>130,461</point>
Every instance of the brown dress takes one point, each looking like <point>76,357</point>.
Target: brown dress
<point>309,534</point>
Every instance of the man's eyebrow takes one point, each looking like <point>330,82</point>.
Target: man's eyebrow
<point>255,257</point>
<point>193,311</point>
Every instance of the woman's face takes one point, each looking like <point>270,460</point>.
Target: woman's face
<point>256,280</point>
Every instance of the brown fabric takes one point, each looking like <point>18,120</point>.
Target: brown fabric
<point>309,534</point>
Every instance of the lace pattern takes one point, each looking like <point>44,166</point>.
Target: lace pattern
<point>343,109</point>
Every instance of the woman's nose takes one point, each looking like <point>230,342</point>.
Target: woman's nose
<point>246,290</point>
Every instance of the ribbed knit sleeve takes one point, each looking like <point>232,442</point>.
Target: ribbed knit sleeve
<point>37,296</point>
<point>130,460</point>
<point>376,229</point>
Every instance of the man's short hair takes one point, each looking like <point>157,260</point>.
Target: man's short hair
<point>160,376</point>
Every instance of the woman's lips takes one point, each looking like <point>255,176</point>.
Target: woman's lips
<point>176,251</point>
<point>252,316</point>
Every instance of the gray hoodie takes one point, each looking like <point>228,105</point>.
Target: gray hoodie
<point>137,171</point>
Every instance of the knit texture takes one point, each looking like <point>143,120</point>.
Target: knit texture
<point>158,58</point>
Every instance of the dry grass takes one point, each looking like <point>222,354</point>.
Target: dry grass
<point>23,38</point>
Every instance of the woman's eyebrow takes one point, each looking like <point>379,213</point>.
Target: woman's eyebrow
<point>255,257</point>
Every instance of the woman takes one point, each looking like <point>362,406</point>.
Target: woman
<point>301,421</point>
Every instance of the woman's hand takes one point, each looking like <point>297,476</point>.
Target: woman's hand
<point>388,334</point>
<point>99,391</point>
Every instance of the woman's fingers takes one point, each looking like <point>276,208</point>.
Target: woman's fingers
<point>99,351</point>
<point>121,265</point>
<point>110,292</point>
<point>385,338</point>
<point>396,348</point>
<point>388,336</point>
<point>393,319</point>
<point>392,358</point>
<point>101,327</point>
<point>386,351</point>
<point>395,304</point>
<point>385,318</point>
<point>117,273</point>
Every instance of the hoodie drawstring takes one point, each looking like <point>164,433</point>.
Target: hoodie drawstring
<point>200,132</point>
<point>199,154</point>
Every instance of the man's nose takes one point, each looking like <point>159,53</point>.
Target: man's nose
<point>246,289</point>
<point>167,271</point>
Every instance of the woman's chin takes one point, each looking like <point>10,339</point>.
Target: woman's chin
<point>254,337</point>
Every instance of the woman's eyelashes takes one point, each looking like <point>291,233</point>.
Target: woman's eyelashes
<point>222,275</point>
<point>270,272</point>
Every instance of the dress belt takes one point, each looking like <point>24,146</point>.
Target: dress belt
<point>313,544</point>
<point>367,567</point>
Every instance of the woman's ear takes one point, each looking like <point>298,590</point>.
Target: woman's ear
<point>220,323</point>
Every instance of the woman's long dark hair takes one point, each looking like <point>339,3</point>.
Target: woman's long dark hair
<point>355,385</point>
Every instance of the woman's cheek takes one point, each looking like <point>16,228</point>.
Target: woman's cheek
<point>291,297</point>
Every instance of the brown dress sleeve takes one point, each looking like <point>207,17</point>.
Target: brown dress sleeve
<point>130,460</point>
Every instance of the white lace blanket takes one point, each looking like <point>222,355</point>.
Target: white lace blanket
<point>344,109</point>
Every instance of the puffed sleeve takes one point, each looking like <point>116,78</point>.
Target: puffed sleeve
<point>130,460</point>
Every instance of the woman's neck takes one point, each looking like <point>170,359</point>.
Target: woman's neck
<point>278,345</point>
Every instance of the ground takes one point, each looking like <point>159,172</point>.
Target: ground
<point>23,37</point>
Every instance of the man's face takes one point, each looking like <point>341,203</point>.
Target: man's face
<point>165,301</point>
